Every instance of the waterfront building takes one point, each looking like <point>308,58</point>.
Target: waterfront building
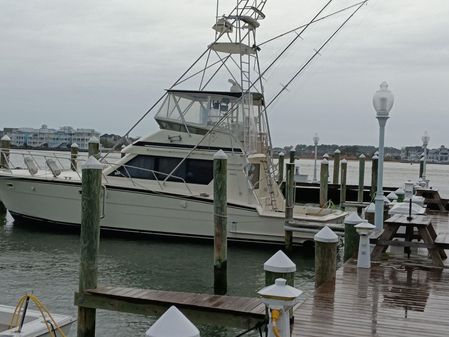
<point>50,138</point>
<point>414,153</point>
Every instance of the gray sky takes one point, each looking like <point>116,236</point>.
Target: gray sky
<point>101,64</point>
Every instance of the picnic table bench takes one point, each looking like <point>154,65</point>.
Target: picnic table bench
<point>425,231</point>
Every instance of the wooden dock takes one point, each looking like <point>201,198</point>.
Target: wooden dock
<point>393,298</point>
<point>238,312</point>
<point>396,297</point>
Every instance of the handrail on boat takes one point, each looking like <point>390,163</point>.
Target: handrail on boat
<point>153,172</point>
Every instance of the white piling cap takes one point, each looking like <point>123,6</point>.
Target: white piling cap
<point>353,219</point>
<point>173,324</point>
<point>386,201</point>
<point>371,208</point>
<point>337,151</point>
<point>279,263</point>
<point>280,290</point>
<point>326,235</point>
<point>324,161</point>
<point>364,227</point>
<point>92,163</point>
<point>282,154</point>
<point>362,156</point>
<point>326,156</point>
<point>220,155</point>
<point>74,145</point>
<point>344,161</point>
<point>375,157</point>
<point>376,153</point>
<point>6,137</point>
<point>392,196</point>
<point>422,159</point>
<point>94,139</point>
<point>399,191</point>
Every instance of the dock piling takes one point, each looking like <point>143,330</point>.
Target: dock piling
<point>325,256</point>
<point>5,145</point>
<point>374,166</point>
<point>173,323</point>
<point>351,236</point>
<point>220,223</point>
<point>279,266</point>
<point>362,159</point>
<point>89,240</point>
<point>292,156</point>
<point>344,171</point>
<point>337,154</point>
<point>94,147</point>
<point>289,203</point>
<point>281,168</point>
<point>421,167</point>
<point>74,157</point>
<point>324,176</point>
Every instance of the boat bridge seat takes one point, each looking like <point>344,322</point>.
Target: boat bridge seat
<point>53,167</point>
<point>31,165</point>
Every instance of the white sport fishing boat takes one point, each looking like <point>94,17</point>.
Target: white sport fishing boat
<point>164,183</point>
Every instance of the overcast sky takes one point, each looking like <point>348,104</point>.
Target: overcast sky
<point>102,63</point>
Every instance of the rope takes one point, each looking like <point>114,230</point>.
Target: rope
<point>47,317</point>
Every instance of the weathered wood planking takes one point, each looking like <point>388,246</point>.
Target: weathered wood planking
<point>239,312</point>
<point>386,300</point>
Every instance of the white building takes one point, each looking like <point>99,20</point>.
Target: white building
<point>51,138</point>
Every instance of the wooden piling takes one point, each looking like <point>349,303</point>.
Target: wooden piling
<point>281,168</point>
<point>5,145</point>
<point>361,178</point>
<point>74,157</point>
<point>89,241</point>
<point>292,156</point>
<point>279,266</point>
<point>374,166</point>
<point>94,147</point>
<point>324,176</point>
<point>344,171</point>
<point>421,167</point>
<point>289,203</point>
<point>220,223</point>
<point>336,166</point>
<point>325,256</point>
<point>351,236</point>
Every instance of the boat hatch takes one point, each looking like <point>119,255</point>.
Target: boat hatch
<point>194,110</point>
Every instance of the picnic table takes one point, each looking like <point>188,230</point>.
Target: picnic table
<point>425,232</point>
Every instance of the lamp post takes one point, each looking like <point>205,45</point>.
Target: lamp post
<point>316,139</point>
<point>425,141</point>
<point>383,101</point>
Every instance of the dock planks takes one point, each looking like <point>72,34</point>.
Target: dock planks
<point>239,312</point>
<point>396,297</point>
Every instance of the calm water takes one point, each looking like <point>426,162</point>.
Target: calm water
<point>47,263</point>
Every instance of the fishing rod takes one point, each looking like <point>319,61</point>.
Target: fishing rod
<point>317,52</point>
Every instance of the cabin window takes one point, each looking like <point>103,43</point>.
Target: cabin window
<point>193,171</point>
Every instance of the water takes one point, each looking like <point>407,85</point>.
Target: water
<point>395,174</point>
<point>47,263</point>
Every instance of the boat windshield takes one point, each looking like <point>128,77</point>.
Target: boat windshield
<point>198,111</point>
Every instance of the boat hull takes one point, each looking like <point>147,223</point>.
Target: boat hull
<point>138,211</point>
